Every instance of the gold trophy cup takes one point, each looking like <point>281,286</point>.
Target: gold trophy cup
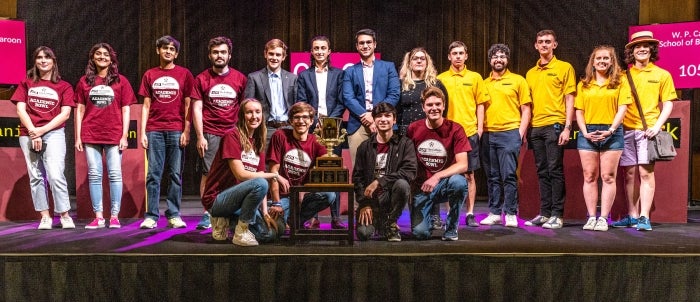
<point>329,168</point>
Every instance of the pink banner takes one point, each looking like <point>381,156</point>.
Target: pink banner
<point>300,61</point>
<point>679,50</point>
<point>12,52</point>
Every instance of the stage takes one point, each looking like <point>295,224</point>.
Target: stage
<point>486,263</point>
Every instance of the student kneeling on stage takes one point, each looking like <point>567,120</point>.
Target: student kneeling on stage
<point>384,167</point>
<point>237,183</point>
<point>292,153</point>
<point>441,147</point>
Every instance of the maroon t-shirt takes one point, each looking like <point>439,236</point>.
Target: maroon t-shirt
<point>102,121</point>
<point>167,89</point>
<point>221,97</point>
<point>44,100</point>
<point>436,148</point>
<point>295,157</point>
<point>380,164</point>
<point>220,176</point>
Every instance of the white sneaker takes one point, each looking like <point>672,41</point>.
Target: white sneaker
<point>601,224</point>
<point>46,223</point>
<point>67,222</point>
<point>554,222</point>
<point>491,219</point>
<point>176,223</point>
<point>242,236</point>
<point>511,221</point>
<point>590,224</point>
<point>219,228</point>
<point>148,223</point>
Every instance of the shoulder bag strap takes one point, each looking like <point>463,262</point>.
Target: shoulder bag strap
<point>636,99</point>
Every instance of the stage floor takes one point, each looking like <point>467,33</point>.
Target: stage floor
<point>665,239</point>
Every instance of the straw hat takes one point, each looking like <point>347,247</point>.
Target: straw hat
<point>641,37</point>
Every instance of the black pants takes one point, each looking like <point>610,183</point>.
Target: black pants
<point>549,159</point>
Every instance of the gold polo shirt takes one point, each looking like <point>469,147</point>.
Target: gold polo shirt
<point>548,85</point>
<point>466,90</point>
<point>507,95</point>
<point>654,85</point>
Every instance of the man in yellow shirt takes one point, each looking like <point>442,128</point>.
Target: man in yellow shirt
<point>552,85</point>
<point>507,116</point>
<point>653,85</point>
<point>466,107</point>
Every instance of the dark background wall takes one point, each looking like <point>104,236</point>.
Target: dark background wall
<point>71,27</point>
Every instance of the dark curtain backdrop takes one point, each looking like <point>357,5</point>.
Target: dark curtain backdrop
<point>71,27</point>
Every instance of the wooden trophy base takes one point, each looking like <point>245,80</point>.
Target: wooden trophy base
<point>329,170</point>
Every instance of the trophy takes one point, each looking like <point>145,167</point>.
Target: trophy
<point>329,168</point>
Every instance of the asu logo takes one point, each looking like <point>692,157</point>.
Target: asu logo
<point>101,96</point>
<point>166,89</point>
<point>250,160</point>
<point>296,164</point>
<point>432,154</point>
<point>222,97</point>
<point>42,99</point>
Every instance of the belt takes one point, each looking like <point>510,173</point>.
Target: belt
<point>277,124</point>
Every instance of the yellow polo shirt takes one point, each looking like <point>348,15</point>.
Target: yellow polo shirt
<point>466,90</point>
<point>599,102</point>
<point>654,85</point>
<point>548,86</point>
<point>507,95</point>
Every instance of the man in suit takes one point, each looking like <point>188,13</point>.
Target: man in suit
<point>366,84</point>
<point>273,87</point>
<point>320,86</point>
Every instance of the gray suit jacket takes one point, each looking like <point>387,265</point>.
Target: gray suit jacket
<point>258,87</point>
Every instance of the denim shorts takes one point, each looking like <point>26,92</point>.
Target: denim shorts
<point>614,142</point>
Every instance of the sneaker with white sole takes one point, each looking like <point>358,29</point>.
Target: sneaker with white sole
<point>554,222</point>
<point>148,223</point>
<point>242,235</point>
<point>96,223</point>
<point>601,224</point>
<point>67,222</point>
<point>590,224</point>
<point>205,222</point>
<point>219,228</point>
<point>46,223</point>
<point>511,221</point>
<point>537,221</point>
<point>491,219</point>
<point>176,223</point>
<point>450,235</point>
<point>114,223</point>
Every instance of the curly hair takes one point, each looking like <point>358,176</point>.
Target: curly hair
<point>653,49</point>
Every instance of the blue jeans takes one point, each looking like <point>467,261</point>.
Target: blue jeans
<point>164,147</point>
<point>240,201</point>
<point>311,204</point>
<point>452,189</point>
<point>47,166</point>
<point>113,156</point>
<point>549,159</point>
<point>500,151</point>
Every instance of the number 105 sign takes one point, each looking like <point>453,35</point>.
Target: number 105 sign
<point>679,51</point>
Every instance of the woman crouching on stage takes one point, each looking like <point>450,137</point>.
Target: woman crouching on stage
<point>237,183</point>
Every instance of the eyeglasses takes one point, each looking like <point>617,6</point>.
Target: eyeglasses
<point>419,59</point>
<point>301,117</point>
<point>496,57</point>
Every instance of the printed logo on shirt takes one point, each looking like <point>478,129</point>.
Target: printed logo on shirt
<point>296,165</point>
<point>432,154</point>
<point>551,74</point>
<point>101,96</point>
<point>223,97</point>
<point>166,89</point>
<point>250,160</point>
<point>42,99</point>
<point>467,84</point>
<point>380,165</point>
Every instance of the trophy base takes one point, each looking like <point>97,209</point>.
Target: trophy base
<point>329,176</point>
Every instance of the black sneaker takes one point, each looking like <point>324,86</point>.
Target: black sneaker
<point>436,222</point>
<point>471,221</point>
<point>393,233</point>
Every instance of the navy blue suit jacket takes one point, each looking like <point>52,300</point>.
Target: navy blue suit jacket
<point>386,87</point>
<point>307,90</point>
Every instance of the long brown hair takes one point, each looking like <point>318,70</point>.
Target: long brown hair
<point>33,73</point>
<point>259,135</point>
<point>112,70</point>
<point>614,72</point>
